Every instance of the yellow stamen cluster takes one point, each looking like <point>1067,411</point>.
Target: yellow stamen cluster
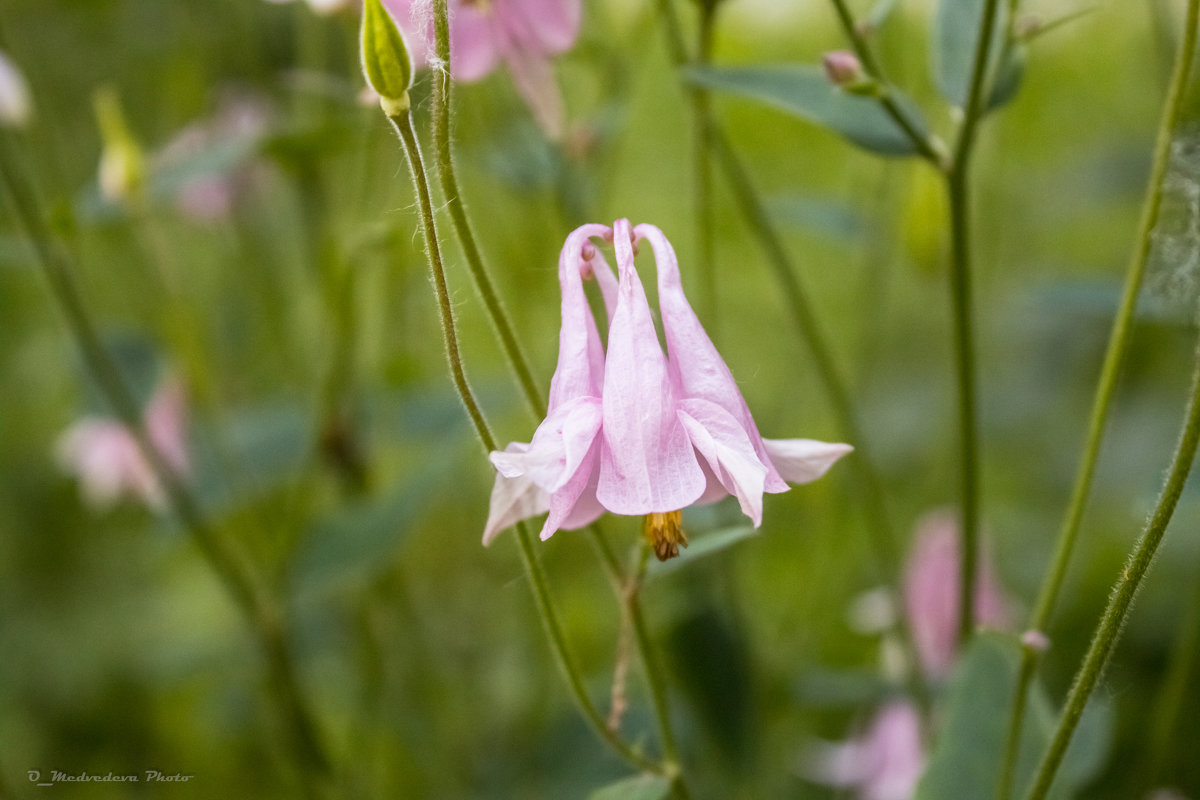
<point>664,532</point>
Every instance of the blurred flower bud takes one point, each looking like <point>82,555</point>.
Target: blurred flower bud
<point>15,107</point>
<point>122,164</point>
<point>1035,641</point>
<point>385,60</point>
<point>843,68</point>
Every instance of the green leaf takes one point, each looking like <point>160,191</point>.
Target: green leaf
<point>965,764</point>
<point>880,13</point>
<point>642,787</point>
<point>1008,76</point>
<point>956,28</point>
<point>805,91</point>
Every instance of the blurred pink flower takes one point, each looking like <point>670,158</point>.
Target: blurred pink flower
<point>523,34</point>
<point>884,763</point>
<point>931,591</point>
<point>323,7</point>
<point>108,461</point>
<point>631,430</point>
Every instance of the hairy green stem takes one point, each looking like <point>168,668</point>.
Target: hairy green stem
<point>702,148</point>
<point>462,225</point>
<point>537,578</point>
<point>1118,344</point>
<point>1120,600</point>
<point>258,609</point>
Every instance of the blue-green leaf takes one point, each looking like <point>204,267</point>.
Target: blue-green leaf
<point>965,764</point>
<point>956,28</point>
<point>806,92</point>
<point>641,787</point>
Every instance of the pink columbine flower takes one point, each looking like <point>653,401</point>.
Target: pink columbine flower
<point>632,430</point>
<point>931,591</point>
<point>109,462</point>
<point>523,34</point>
<point>884,763</point>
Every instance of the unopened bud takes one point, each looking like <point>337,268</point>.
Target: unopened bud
<point>843,68</point>
<point>386,63</point>
<point>122,164</point>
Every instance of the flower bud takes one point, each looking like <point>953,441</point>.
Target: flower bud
<point>842,68</point>
<point>386,63</point>
<point>122,164</point>
<point>15,108</point>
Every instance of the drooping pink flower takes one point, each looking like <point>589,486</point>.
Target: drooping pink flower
<point>521,34</point>
<point>629,429</point>
<point>884,763</point>
<point>108,461</point>
<point>931,592</point>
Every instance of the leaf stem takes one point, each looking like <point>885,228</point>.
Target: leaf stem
<point>959,194</point>
<point>259,610</point>
<point>533,569</point>
<point>926,145</point>
<point>1118,343</point>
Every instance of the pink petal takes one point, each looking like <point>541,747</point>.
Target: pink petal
<point>727,449</point>
<point>545,26</point>
<point>166,422</point>
<point>533,75</point>
<point>559,447</point>
<point>580,370</point>
<point>803,460</point>
<point>648,463</point>
<point>475,42</point>
<point>513,499</point>
<point>699,369</point>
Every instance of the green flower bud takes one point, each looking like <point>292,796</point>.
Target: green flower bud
<point>122,163</point>
<point>385,59</point>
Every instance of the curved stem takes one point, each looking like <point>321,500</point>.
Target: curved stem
<point>462,225</point>
<point>1118,343</point>
<point>533,569</point>
<point>1121,599</point>
<point>258,609</point>
<point>702,147</point>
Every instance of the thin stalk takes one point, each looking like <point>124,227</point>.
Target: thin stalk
<point>229,565</point>
<point>533,569</point>
<point>958,191</point>
<point>462,225</point>
<point>1120,600</point>
<point>1118,344</point>
<point>702,149</point>
<point>653,670</point>
<point>884,544</point>
<point>927,147</point>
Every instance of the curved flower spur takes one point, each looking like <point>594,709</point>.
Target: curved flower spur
<point>633,430</point>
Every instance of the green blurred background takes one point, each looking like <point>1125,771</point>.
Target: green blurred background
<point>328,442</point>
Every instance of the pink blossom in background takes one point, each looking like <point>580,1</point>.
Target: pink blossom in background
<point>931,591</point>
<point>108,461</point>
<point>521,34</point>
<point>630,430</point>
<point>885,763</point>
<point>323,7</point>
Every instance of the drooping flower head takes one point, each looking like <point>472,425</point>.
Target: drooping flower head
<point>521,34</point>
<point>633,430</point>
<point>931,592</point>
<point>110,464</point>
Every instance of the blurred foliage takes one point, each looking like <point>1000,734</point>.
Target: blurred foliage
<point>329,444</point>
